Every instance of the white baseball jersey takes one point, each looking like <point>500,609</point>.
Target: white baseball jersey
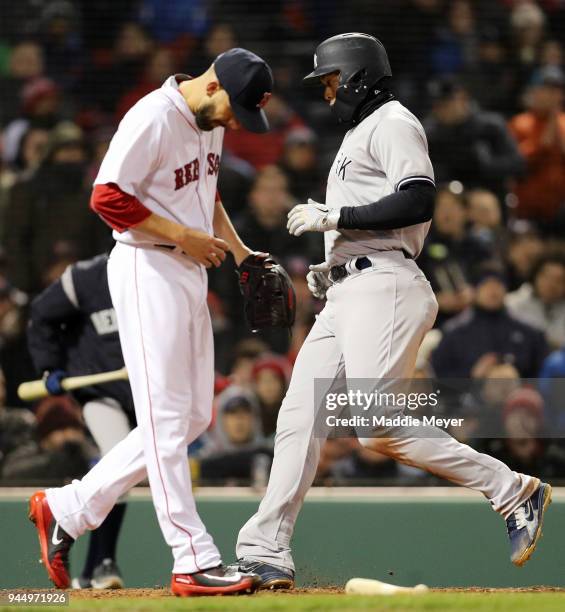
<point>384,152</point>
<point>159,155</point>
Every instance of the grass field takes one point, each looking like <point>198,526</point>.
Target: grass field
<point>150,600</point>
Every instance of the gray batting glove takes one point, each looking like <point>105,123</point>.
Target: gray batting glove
<point>318,280</point>
<point>312,217</point>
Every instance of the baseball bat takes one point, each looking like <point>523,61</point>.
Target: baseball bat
<point>365,586</point>
<point>35,389</point>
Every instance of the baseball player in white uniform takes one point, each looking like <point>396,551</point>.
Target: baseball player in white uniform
<point>379,305</point>
<point>157,188</point>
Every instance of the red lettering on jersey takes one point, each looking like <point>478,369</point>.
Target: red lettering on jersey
<point>179,178</point>
<point>187,174</point>
<point>213,163</point>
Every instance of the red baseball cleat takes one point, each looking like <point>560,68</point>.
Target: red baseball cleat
<point>54,542</point>
<point>215,581</point>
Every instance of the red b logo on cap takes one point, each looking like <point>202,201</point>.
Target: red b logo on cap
<point>266,97</point>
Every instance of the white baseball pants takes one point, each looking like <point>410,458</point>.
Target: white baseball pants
<point>371,327</point>
<point>167,343</point>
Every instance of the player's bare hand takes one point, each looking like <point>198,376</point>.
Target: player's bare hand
<point>312,217</point>
<point>206,249</point>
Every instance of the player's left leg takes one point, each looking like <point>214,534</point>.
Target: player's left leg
<point>385,347</point>
<point>263,544</point>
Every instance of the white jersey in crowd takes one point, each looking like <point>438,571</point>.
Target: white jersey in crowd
<point>160,156</point>
<point>384,152</point>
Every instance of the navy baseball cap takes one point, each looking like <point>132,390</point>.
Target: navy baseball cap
<point>249,83</point>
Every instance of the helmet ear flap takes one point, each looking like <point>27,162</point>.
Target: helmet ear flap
<point>358,80</point>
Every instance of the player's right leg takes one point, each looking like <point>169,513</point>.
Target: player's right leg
<point>108,425</point>
<point>63,514</point>
<point>263,545</point>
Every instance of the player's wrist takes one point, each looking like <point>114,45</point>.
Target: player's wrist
<point>333,217</point>
<point>240,253</point>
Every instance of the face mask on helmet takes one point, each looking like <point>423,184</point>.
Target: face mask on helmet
<point>350,95</point>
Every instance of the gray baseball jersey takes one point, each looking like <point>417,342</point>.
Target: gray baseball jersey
<point>385,152</point>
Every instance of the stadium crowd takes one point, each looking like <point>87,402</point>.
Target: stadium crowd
<point>487,80</point>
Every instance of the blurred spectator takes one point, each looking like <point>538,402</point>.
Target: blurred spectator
<point>492,66</point>
<point>48,212</point>
<point>234,182</point>
<point>271,374</point>
<point>468,144</point>
<point>300,164</point>
<point>411,45</point>
<point>263,224</point>
<point>524,249</point>
<point>481,406</point>
<point>552,54</point>
<point>160,66</point>
<point>527,22</point>
<point>487,333</point>
<point>235,443</point>
<point>524,447</point>
<point>456,46</point>
<point>551,386</point>
<point>26,63</point>
<point>306,305</point>
<point>61,41</point>
<point>60,452</point>
<point>451,254</point>
<point>109,78</point>
<point>245,355</point>
<point>220,37</point>
<point>541,303</point>
<point>14,358</point>
<point>16,425</point>
<point>40,107</point>
<point>32,149</point>
<point>262,150</point>
<point>540,134</point>
<point>168,22</point>
<point>485,219</point>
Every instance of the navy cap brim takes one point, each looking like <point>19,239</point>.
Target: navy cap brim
<point>254,121</point>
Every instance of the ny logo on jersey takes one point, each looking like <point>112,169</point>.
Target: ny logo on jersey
<point>341,164</point>
<point>213,163</point>
<point>187,173</point>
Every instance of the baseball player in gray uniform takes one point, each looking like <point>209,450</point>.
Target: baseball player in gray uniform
<point>378,209</point>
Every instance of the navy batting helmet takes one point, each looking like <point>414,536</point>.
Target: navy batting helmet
<point>362,62</point>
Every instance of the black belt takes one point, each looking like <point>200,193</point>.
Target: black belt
<point>338,273</point>
<point>169,247</point>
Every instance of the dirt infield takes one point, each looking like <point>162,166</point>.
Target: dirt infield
<point>157,593</point>
<point>162,592</point>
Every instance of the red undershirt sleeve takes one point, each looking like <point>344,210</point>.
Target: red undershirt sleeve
<point>118,209</point>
